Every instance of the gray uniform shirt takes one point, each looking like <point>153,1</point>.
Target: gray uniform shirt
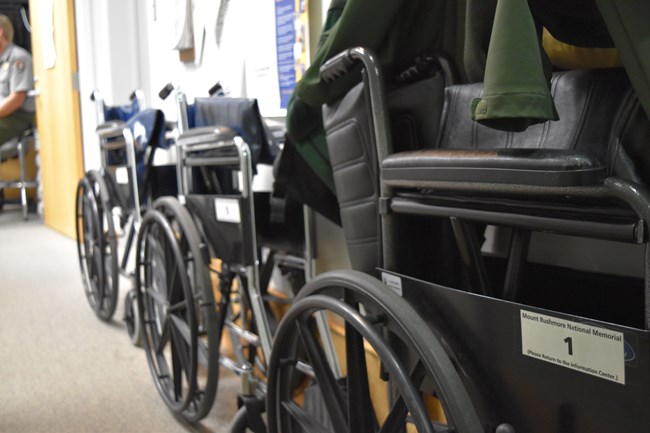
<point>17,75</point>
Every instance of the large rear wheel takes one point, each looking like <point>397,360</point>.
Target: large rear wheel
<point>394,375</point>
<point>97,245</point>
<point>167,313</point>
<point>171,253</point>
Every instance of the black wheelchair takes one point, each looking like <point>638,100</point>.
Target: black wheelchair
<point>206,261</point>
<point>469,308</point>
<point>111,199</point>
<point>448,322</point>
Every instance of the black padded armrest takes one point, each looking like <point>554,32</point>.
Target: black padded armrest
<point>542,167</point>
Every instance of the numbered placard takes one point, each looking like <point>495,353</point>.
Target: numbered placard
<point>578,346</point>
<point>227,210</point>
<point>122,175</point>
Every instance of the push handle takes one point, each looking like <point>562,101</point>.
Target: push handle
<point>94,95</point>
<point>337,66</point>
<point>166,91</point>
<point>217,89</point>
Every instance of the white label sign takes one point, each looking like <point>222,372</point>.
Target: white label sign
<point>122,175</point>
<point>392,281</point>
<point>227,210</point>
<point>585,348</point>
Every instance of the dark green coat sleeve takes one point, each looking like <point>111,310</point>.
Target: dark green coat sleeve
<point>516,90</point>
<point>396,30</point>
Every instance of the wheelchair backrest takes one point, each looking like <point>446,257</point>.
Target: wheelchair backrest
<point>243,116</point>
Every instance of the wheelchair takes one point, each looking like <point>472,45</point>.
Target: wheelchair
<point>439,331</point>
<point>205,261</point>
<point>111,199</point>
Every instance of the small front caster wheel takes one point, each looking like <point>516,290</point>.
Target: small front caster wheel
<point>132,319</point>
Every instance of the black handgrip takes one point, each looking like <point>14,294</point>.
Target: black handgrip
<point>92,95</point>
<point>217,89</point>
<point>337,66</point>
<point>133,96</point>
<point>166,91</point>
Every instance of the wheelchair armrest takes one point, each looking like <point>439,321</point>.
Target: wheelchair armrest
<point>208,135</point>
<point>539,167</point>
<point>112,129</point>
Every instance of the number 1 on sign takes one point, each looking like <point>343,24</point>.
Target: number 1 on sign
<point>569,342</point>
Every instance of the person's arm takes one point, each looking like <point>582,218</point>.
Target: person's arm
<point>11,103</point>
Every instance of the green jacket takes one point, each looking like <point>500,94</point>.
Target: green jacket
<point>396,30</point>
<point>516,75</point>
<point>504,52</point>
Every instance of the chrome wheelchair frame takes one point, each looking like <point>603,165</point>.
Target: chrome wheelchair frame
<point>189,295</point>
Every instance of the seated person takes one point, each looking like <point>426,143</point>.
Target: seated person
<point>16,78</point>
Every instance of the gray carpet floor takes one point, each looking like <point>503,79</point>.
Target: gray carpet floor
<point>62,369</point>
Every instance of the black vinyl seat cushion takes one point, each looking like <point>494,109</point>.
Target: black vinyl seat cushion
<point>586,145</point>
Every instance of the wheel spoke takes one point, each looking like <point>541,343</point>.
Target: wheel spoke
<point>182,351</point>
<point>333,396</point>
<point>183,329</point>
<point>305,420</point>
<point>362,418</point>
<point>164,337</point>
<point>396,419</point>
<point>177,307</point>
<point>176,369</point>
<point>171,278</point>
<point>158,297</point>
<point>203,352</point>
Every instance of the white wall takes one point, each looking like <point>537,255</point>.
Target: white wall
<point>123,45</point>
<point>107,53</point>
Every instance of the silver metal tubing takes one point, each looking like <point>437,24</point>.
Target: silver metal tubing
<point>181,111</point>
<point>310,272</point>
<point>639,199</point>
<point>181,126</point>
<point>248,380</point>
<point>99,107</point>
<point>21,163</point>
<point>305,369</point>
<point>211,161</point>
<point>310,243</point>
<point>289,260</point>
<point>239,370</point>
<point>250,338</point>
<point>133,173</point>
<point>112,129</point>
<point>207,138</point>
<point>253,274</point>
<point>139,96</point>
<point>231,365</point>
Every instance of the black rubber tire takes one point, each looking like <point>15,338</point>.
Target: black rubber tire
<point>167,314</point>
<point>192,249</point>
<point>239,423</point>
<point>98,258</point>
<point>414,347</point>
<point>132,318</point>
